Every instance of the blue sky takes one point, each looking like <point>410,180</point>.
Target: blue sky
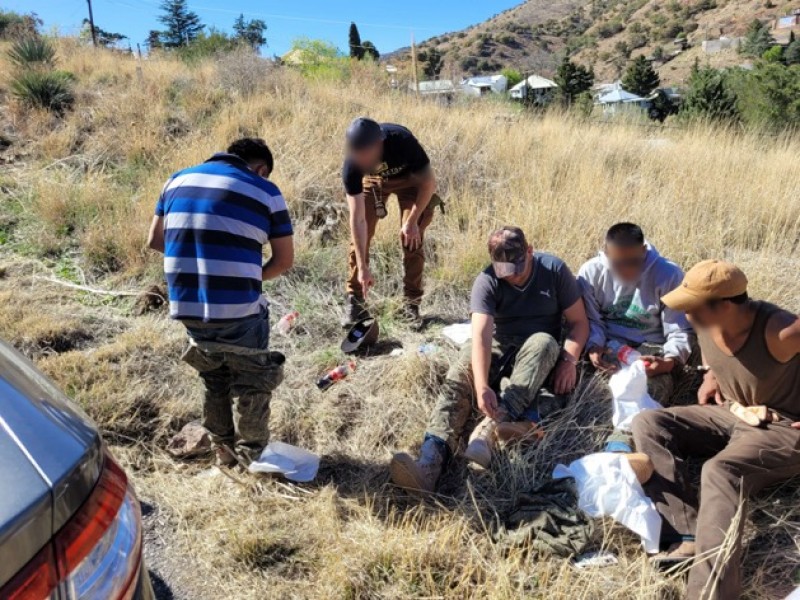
<point>388,24</point>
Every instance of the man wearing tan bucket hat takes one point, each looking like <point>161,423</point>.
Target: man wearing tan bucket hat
<point>747,426</point>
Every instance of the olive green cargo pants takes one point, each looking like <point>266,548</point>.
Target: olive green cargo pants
<point>536,358</point>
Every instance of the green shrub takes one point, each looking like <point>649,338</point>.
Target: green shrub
<point>15,25</point>
<point>32,51</point>
<point>50,90</point>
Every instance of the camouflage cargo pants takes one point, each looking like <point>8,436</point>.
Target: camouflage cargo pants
<point>660,388</point>
<point>536,358</point>
<point>240,374</point>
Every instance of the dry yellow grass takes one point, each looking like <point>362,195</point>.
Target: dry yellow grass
<point>78,201</point>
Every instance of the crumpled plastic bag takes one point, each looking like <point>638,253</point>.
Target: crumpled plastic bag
<point>607,486</point>
<point>629,393</point>
<point>458,333</point>
<point>296,464</point>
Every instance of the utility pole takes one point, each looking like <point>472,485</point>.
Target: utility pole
<point>91,24</point>
<point>414,64</point>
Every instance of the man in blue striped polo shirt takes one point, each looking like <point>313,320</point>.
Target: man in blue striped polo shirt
<point>211,222</point>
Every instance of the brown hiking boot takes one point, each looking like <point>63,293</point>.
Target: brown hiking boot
<point>642,466</point>
<point>354,311</point>
<point>481,443</point>
<point>677,555</point>
<point>518,432</point>
<point>418,475</point>
<point>411,315</point>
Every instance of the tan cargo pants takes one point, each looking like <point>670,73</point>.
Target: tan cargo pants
<point>405,188</point>
<point>742,460</point>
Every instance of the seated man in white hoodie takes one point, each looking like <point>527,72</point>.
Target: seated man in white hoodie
<point>622,289</point>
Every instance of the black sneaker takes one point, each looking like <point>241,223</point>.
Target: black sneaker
<point>354,311</point>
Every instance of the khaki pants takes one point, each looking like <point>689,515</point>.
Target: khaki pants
<point>456,403</point>
<point>742,460</point>
<point>413,260</point>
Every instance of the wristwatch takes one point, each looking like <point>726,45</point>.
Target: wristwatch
<point>567,357</point>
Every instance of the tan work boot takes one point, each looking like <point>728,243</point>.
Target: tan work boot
<point>418,475</point>
<point>642,466</point>
<point>482,442</point>
<point>518,432</point>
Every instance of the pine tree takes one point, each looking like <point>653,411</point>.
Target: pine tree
<point>757,40</point>
<point>182,25</point>
<point>573,80</point>
<point>709,96</point>
<point>250,32</point>
<point>370,50</point>
<point>792,54</point>
<point>432,62</point>
<point>641,78</point>
<point>356,48</point>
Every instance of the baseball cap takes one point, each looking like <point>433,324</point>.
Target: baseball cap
<point>363,133</point>
<point>707,280</point>
<point>508,248</point>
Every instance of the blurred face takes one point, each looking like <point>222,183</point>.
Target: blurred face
<point>712,314</point>
<point>520,279</point>
<point>366,159</point>
<point>627,262</point>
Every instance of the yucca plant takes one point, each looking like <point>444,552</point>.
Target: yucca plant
<point>32,52</point>
<point>51,90</point>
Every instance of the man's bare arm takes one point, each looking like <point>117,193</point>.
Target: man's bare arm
<point>425,191</point>
<point>578,329</point>
<point>282,258</point>
<point>155,238</point>
<point>358,233</point>
<point>783,336</point>
<point>482,331</point>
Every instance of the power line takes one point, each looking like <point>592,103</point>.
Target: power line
<point>308,19</point>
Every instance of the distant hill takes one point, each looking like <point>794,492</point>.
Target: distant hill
<point>605,34</point>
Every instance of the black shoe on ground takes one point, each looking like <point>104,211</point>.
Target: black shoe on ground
<point>354,311</point>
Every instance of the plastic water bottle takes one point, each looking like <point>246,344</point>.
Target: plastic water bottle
<point>286,323</point>
<point>335,375</point>
<point>624,353</point>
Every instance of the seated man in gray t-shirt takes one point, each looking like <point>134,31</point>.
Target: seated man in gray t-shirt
<point>518,305</point>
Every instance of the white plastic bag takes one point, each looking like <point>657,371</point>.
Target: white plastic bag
<point>607,486</point>
<point>458,333</point>
<point>292,462</point>
<point>629,393</point>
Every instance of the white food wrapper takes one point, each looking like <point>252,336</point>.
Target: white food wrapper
<point>629,393</point>
<point>607,486</point>
<point>458,333</point>
<point>296,464</point>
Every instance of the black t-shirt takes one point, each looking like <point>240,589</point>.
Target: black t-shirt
<point>535,307</point>
<point>402,155</point>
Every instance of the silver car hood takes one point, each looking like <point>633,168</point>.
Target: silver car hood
<point>50,459</point>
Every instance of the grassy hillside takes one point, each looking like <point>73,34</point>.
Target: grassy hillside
<point>602,33</point>
<point>78,192</point>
